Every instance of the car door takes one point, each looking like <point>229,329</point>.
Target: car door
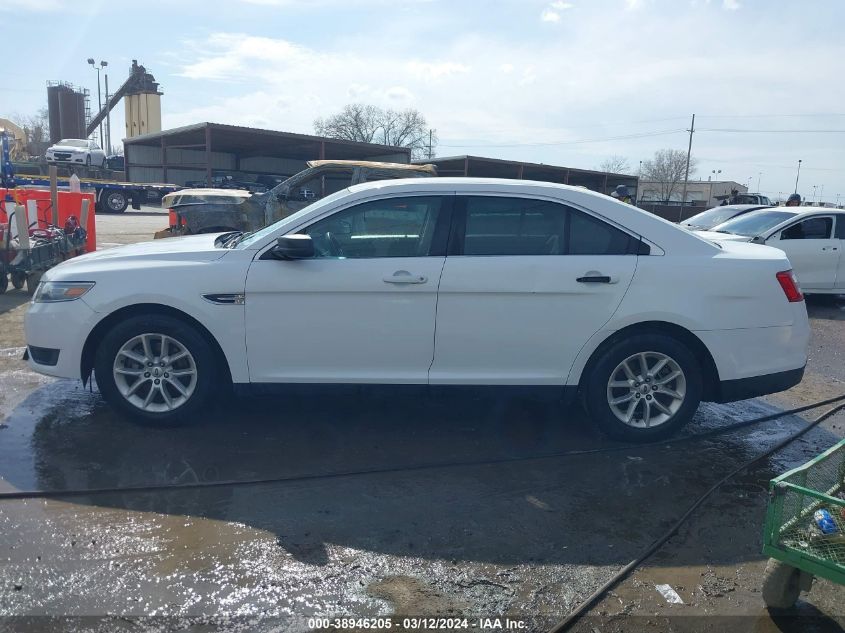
<point>525,284</point>
<point>362,310</point>
<point>812,249</point>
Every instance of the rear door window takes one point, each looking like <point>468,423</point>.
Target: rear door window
<point>818,228</point>
<point>523,226</point>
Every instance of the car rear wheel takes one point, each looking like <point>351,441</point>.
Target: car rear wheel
<point>643,388</point>
<point>156,369</point>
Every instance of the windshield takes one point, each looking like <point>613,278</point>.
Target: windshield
<point>267,230</point>
<point>753,223</point>
<point>712,217</point>
<point>73,142</point>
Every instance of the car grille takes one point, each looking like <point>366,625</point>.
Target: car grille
<point>62,155</point>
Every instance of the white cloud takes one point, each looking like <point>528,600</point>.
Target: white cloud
<point>437,70</point>
<point>477,89</point>
<point>731,5</point>
<point>41,6</point>
<point>550,16</point>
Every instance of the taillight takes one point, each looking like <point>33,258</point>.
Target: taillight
<point>173,219</point>
<point>791,288</point>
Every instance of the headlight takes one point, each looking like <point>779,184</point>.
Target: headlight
<point>55,291</point>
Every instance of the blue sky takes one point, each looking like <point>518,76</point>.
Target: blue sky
<point>564,82</point>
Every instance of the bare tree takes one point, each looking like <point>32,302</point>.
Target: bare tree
<point>666,170</point>
<point>615,164</point>
<point>36,127</point>
<point>371,124</point>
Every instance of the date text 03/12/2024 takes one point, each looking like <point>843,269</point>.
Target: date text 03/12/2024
<point>419,623</point>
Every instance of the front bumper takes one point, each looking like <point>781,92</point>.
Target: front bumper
<point>61,159</point>
<point>61,328</point>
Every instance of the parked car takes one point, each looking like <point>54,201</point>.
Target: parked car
<point>447,281</point>
<point>116,162</point>
<point>322,177</point>
<point>717,215</point>
<point>76,151</point>
<point>735,197</point>
<point>185,199</point>
<point>270,181</point>
<point>812,237</point>
<point>227,181</point>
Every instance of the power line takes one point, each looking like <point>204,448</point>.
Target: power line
<point>576,142</point>
<point>756,131</point>
<point>768,116</point>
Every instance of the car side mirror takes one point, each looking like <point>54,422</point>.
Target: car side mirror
<point>296,246</point>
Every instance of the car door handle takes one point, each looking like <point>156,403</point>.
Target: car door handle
<point>593,279</point>
<point>404,277</point>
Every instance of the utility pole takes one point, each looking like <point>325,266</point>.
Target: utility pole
<point>759,176</point>
<point>821,195</point>
<point>686,174</point>
<point>797,175</point>
<point>430,132</point>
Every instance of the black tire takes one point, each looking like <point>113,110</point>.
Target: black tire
<point>781,585</point>
<point>4,283</point>
<point>104,163</point>
<point>32,281</point>
<point>88,161</point>
<point>115,202</point>
<point>596,392</point>
<point>207,370</point>
<point>18,280</point>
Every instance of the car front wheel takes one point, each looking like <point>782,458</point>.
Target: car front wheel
<point>644,387</point>
<point>156,369</point>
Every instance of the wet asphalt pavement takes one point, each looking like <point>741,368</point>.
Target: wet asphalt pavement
<point>473,511</point>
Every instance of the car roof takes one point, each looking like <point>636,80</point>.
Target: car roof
<point>740,207</point>
<point>663,233</point>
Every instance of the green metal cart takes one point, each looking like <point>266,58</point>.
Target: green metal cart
<point>799,549</point>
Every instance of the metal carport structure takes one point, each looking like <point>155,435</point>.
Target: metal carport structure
<point>197,152</point>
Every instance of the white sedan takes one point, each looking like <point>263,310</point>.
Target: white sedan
<point>447,281</point>
<point>813,239</point>
<point>76,151</point>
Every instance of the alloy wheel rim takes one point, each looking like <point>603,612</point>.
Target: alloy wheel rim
<point>155,373</point>
<point>646,389</point>
<point>115,201</point>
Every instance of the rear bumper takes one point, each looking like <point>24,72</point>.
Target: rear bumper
<point>745,388</point>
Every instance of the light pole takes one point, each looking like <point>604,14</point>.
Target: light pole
<point>759,176</point>
<point>821,195</point>
<point>99,96</point>
<point>107,148</point>
<point>837,200</point>
<point>797,175</point>
<point>814,193</point>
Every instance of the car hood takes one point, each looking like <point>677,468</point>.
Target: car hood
<point>713,236</point>
<point>66,148</point>
<point>193,248</point>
